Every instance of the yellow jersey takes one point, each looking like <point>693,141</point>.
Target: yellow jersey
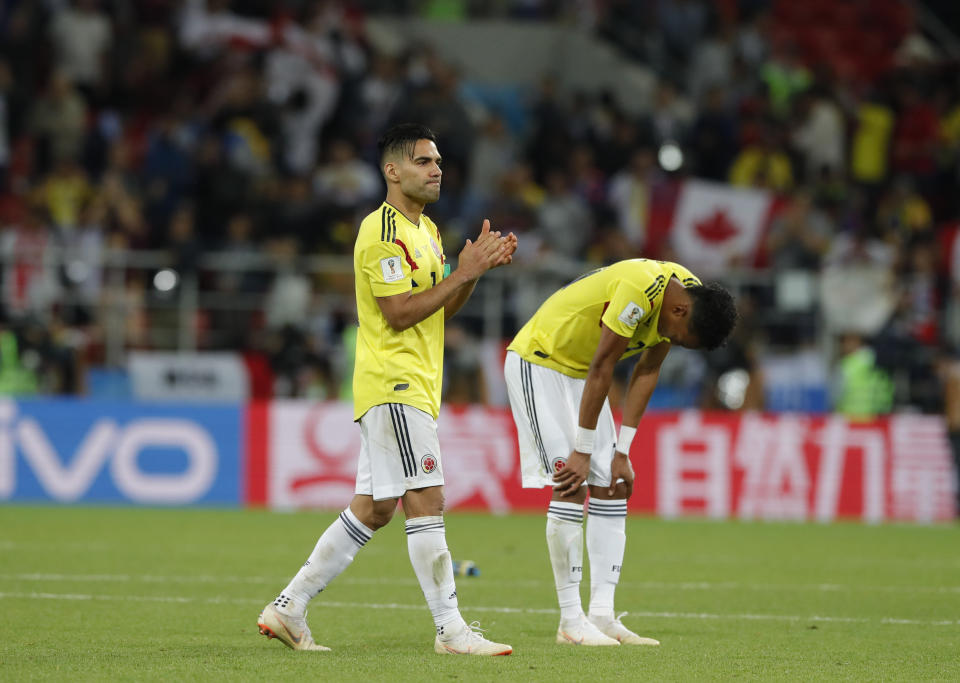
<point>393,256</point>
<point>626,297</point>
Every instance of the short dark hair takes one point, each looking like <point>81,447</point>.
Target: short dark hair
<point>714,314</point>
<point>403,138</point>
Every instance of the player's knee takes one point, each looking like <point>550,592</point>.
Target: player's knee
<point>381,515</point>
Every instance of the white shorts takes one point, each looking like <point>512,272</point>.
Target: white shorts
<point>399,451</point>
<point>546,409</point>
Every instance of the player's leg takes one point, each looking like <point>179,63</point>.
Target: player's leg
<point>285,617</point>
<point>427,539</point>
<point>606,535</point>
<point>545,418</point>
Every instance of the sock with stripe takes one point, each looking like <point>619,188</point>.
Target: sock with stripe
<point>565,543</point>
<point>606,540</point>
<point>427,545</point>
<point>333,553</point>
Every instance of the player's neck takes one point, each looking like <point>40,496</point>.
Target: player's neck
<point>411,209</point>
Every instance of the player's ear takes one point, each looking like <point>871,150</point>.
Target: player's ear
<point>390,171</point>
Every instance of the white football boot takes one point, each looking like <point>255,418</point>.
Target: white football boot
<point>581,631</point>
<point>612,626</point>
<point>468,641</point>
<point>291,631</point>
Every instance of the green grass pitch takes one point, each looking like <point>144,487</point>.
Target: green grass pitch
<point>145,594</point>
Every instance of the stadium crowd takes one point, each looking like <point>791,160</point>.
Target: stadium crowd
<point>249,128</point>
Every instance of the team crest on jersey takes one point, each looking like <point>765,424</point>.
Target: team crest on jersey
<point>436,249</point>
<point>558,464</point>
<point>630,315</point>
<point>428,463</point>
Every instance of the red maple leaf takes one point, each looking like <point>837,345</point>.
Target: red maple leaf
<point>717,228</point>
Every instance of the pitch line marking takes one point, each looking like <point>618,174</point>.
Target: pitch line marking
<point>659,585</point>
<point>498,610</point>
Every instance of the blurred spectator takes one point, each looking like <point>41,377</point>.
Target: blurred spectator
<point>305,94</point>
<point>630,192</point>
<point>30,285</point>
<point>785,76</point>
<point>713,137</point>
<point>711,65</point>
<point>168,170</point>
<point>800,236</point>
<point>872,137</point>
<point>763,163</point>
<point>345,181</point>
<point>463,369</point>
<point>494,153</point>
<point>220,188</point>
<point>671,116</point>
<point>903,215</point>
<point>862,390</point>
<point>857,283</point>
<point>820,137</point>
<point>380,91</point>
<point>58,121</point>
<point>82,36</point>
<point>288,299</point>
<point>182,239</point>
<point>564,220</point>
<point>16,379</point>
<point>919,298</point>
<point>63,192</point>
<point>588,181</point>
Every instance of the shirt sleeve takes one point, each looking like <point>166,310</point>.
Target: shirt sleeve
<point>385,266</point>
<point>627,307</point>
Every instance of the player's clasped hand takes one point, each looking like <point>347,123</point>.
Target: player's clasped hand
<point>489,250</point>
<point>569,480</point>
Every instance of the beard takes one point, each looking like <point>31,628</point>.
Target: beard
<point>423,193</point>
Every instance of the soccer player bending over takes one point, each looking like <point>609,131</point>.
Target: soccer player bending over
<point>558,372</point>
<point>404,295</point>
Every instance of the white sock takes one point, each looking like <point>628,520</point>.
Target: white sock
<point>606,540</point>
<point>565,543</point>
<point>427,545</point>
<point>333,553</point>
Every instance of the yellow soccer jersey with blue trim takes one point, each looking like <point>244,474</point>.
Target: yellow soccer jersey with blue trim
<point>626,297</point>
<point>392,256</point>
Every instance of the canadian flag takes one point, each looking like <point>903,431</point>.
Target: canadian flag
<point>716,225</point>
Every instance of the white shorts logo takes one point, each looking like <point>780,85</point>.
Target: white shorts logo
<point>392,270</point>
<point>630,315</point>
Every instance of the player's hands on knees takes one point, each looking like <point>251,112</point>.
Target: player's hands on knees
<point>569,480</point>
<point>620,468</point>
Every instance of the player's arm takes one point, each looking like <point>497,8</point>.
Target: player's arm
<point>642,383</point>
<point>405,310</point>
<point>461,295</point>
<point>597,386</point>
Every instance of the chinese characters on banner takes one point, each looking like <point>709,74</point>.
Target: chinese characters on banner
<point>749,466</point>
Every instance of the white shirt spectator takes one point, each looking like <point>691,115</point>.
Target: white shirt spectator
<point>821,138</point>
<point>81,37</point>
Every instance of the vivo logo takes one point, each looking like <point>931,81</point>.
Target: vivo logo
<point>109,444</point>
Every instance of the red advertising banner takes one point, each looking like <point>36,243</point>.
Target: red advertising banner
<point>749,466</point>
